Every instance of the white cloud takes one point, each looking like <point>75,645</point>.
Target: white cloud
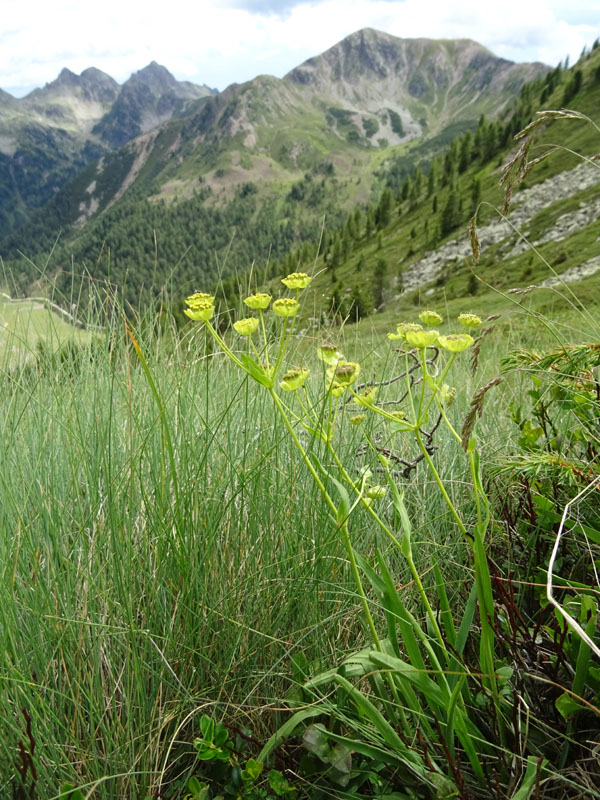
<point>217,42</point>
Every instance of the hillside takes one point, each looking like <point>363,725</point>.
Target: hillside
<point>264,162</point>
<point>49,135</point>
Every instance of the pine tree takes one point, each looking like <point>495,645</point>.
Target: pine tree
<point>383,212</point>
<point>450,217</point>
<point>475,194</point>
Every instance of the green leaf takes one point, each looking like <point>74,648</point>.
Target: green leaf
<point>221,735</point>
<point>256,371</point>
<point>315,741</point>
<point>287,729</point>
<point>251,771</point>
<point>279,784</point>
<point>534,768</point>
<point>567,706</point>
<point>68,790</point>
<point>207,727</point>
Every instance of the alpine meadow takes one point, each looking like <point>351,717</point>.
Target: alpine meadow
<point>300,415</point>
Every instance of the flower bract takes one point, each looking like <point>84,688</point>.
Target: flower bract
<point>337,390</point>
<point>469,320</point>
<point>246,327</point>
<point>376,492</point>
<point>294,379</point>
<point>403,327</point>
<point>447,395</point>
<point>344,372</point>
<point>366,398</point>
<point>357,419</point>
<point>260,300</point>
<point>456,342</point>
<point>297,280</point>
<point>202,311</point>
<point>430,318</point>
<point>421,339</point>
<point>285,307</point>
<point>329,353</point>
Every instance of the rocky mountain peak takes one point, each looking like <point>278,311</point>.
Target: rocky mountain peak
<point>154,76</point>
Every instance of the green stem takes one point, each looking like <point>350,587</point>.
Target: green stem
<point>224,347</point>
<point>441,486</point>
<point>447,421</point>
<point>264,333</point>
<point>343,527</point>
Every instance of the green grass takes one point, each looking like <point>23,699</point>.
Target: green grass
<point>138,592</point>
<point>25,323</point>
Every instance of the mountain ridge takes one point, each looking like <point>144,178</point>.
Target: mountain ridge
<point>266,137</point>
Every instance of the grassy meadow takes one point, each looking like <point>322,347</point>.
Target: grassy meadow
<point>166,554</point>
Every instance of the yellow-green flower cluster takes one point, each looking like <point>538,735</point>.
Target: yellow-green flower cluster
<point>201,306</point>
<point>246,327</point>
<point>296,280</point>
<point>329,354</point>
<point>344,373</point>
<point>340,375</point>
<point>430,318</point>
<point>422,339</point>
<point>366,398</point>
<point>294,379</point>
<point>469,320</point>
<point>285,307</point>
<point>260,300</point>
<point>357,419</point>
<point>456,342</point>
<point>447,395</point>
<point>402,328</point>
<point>414,334</point>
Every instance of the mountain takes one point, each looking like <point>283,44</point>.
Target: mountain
<point>428,83</point>
<point>272,156</point>
<point>150,97</point>
<point>47,136</point>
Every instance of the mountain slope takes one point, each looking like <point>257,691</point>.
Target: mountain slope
<point>272,157</point>
<point>49,135</point>
<point>428,83</point>
<point>346,107</point>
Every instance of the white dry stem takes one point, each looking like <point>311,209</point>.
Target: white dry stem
<point>572,622</point>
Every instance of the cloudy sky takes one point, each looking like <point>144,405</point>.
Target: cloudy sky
<point>219,42</point>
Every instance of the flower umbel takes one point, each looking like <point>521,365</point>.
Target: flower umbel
<point>421,339</point>
<point>297,280</point>
<point>246,327</point>
<point>357,419</point>
<point>403,327</point>
<point>469,320</point>
<point>294,379</point>
<point>456,342</point>
<point>260,300</point>
<point>430,318</point>
<point>201,310</point>
<point>447,395</point>
<point>199,297</point>
<point>329,353</point>
<point>285,307</point>
<point>344,373</point>
<point>366,398</point>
